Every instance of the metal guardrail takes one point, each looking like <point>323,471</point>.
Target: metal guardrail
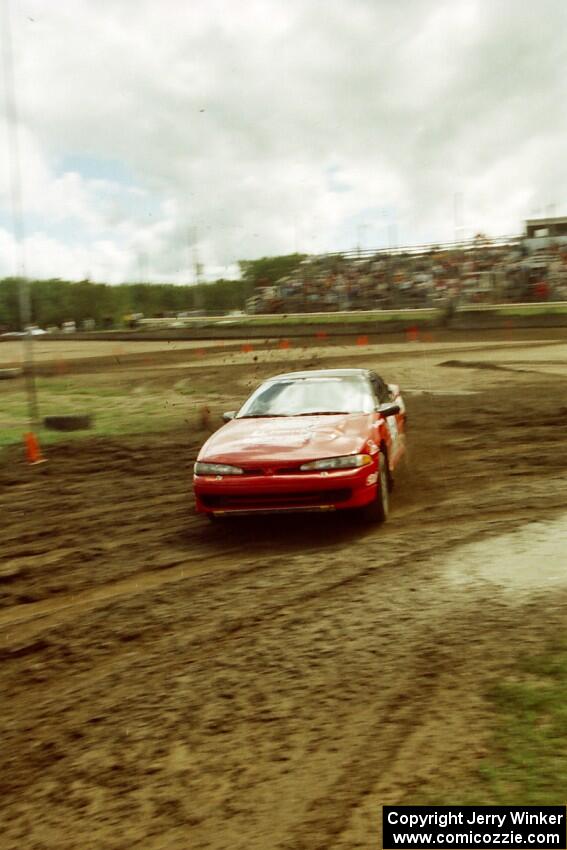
<point>425,248</point>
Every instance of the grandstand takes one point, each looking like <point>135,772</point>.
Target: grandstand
<point>479,271</point>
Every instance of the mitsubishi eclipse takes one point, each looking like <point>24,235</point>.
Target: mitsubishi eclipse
<point>317,440</point>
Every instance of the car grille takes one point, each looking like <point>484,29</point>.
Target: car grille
<point>284,500</point>
<point>270,470</point>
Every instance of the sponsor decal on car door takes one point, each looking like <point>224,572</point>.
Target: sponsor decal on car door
<point>392,423</point>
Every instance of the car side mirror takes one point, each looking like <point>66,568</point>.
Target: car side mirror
<point>389,409</point>
<point>229,415</point>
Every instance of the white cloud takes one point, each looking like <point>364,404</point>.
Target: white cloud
<point>279,124</point>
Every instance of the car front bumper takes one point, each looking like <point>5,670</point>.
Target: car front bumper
<point>320,491</point>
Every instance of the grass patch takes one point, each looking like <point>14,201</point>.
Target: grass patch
<point>118,405</point>
<point>527,760</point>
<point>534,310</point>
<point>530,759</point>
<point>370,316</point>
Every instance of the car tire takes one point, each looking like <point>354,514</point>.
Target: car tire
<point>378,509</point>
<point>68,422</point>
<point>9,374</point>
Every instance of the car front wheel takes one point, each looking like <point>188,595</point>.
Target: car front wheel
<point>377,510</point>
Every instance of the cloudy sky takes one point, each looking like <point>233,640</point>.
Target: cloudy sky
<point>156,131</point>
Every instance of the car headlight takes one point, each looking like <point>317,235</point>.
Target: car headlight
<point>201,468</point>
<point>344,462</point>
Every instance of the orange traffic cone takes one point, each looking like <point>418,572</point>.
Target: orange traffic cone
<point>33,449</point>
<point>412,334</point>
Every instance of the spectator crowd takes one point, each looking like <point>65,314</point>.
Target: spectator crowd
<point>479,272</point>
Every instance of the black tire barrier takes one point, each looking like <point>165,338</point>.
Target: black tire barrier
<point>68,422</point>
<point>8,374</point>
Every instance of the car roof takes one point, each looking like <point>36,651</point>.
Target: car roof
<point>323,373</point>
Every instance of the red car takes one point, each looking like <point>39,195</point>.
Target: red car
<point>320,440</point>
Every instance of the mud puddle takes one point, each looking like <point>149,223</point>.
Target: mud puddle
<point>531,560</point>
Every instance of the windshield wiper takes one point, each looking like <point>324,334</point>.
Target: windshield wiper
<point>322,413</point>
<point>260,415</point>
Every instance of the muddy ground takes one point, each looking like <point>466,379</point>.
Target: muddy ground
<point>270,684</point>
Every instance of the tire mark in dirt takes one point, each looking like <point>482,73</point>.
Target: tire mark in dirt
<point>23,637</point>
<point>54,610</point>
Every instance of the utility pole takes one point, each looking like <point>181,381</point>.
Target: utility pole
<point>24,295</point>
<point>360,232</point>
<point>392,234</point>
<point>197,268</point>
<point>143,267</point>
<point>458,216</point>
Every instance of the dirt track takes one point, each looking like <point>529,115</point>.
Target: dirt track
<point>269,685</point>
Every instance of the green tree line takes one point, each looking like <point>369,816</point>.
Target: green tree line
<point>56,301</point>
<point>267,270</point>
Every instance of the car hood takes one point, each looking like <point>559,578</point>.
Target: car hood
<point>288,440</point>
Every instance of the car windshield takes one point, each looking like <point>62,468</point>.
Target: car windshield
<point>305,396</point>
